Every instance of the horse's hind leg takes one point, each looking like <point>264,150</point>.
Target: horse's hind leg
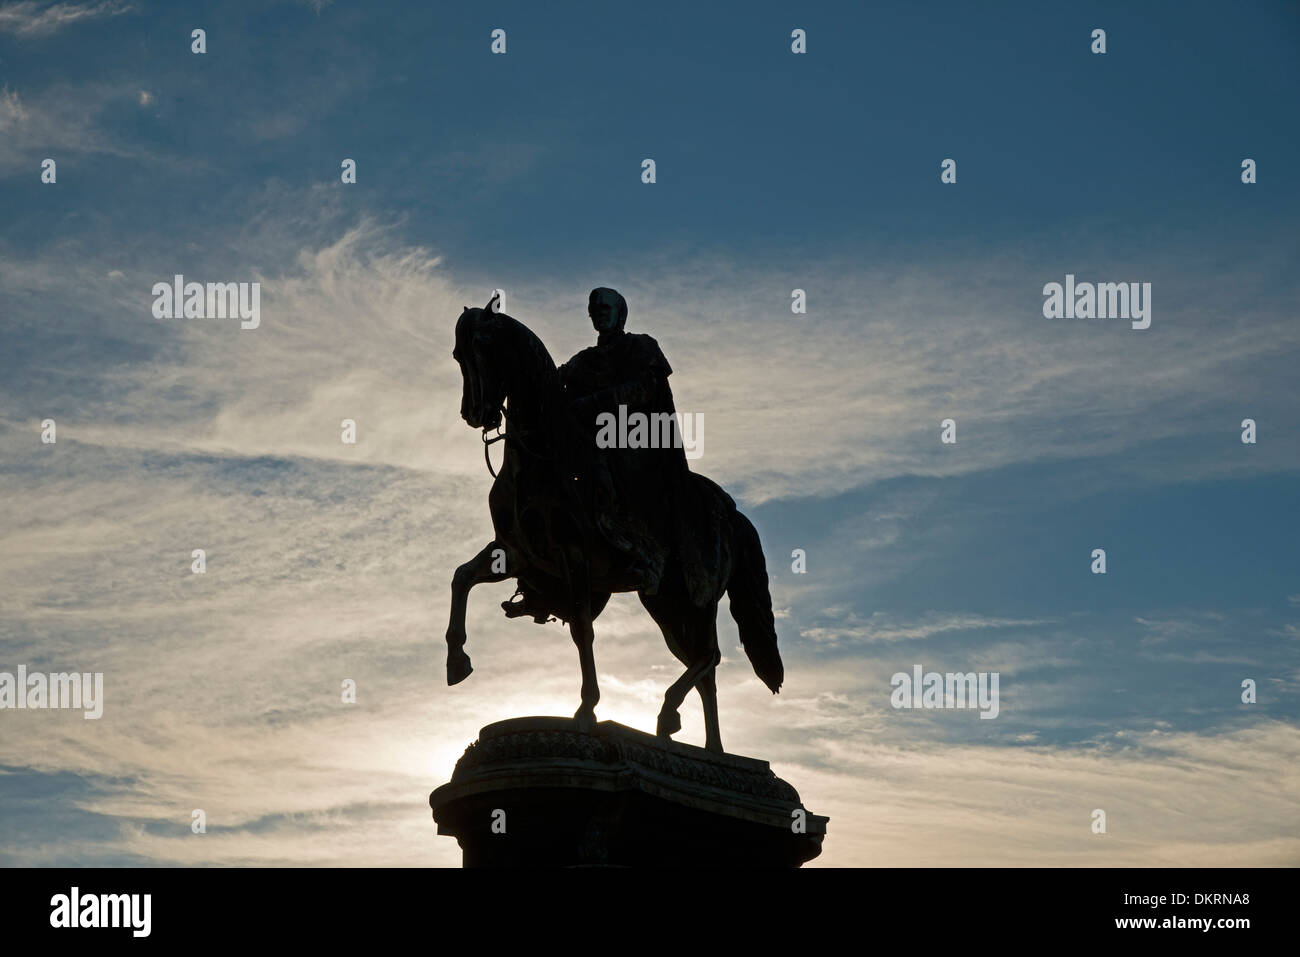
<point>474,572</point>
<point>696,639</point>
<point>708,689</point>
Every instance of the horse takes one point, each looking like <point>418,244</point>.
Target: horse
<point>546,536</point>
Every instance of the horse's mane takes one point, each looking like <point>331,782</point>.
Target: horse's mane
<point>528,344</point>
<point>519,349</point>
<point>532,359</point>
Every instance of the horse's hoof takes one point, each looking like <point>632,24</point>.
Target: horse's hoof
<point>585,719</point>
<point>458,668</point>
<point>669,724</point>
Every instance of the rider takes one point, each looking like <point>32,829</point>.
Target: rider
<point>634,489</point>
<point>637,495</point>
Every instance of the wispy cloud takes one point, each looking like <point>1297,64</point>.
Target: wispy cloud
<point>1171,800</point>
<point>62,119</point>
<point>328,561</point>
<point>883,421</point>
<point>884,627</point>
<point>29,18</point>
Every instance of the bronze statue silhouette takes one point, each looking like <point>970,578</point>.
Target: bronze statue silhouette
<point>575,523</point>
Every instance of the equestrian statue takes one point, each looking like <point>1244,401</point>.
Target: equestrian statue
<point>578,517</point>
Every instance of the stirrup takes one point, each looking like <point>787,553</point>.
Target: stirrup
<point>520,608</point>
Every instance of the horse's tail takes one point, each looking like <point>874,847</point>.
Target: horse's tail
<point>751,602</point>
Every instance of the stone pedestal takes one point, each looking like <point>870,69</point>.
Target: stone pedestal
<point>536,792</point>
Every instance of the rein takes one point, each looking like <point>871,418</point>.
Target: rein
<point>487,442</point>
<point>516,438</point>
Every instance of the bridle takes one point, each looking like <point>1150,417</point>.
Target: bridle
<point>516,437</point>
<point>487,442</point>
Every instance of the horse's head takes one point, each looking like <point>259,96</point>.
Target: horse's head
<point>501,360</point>
<point>478,352</point>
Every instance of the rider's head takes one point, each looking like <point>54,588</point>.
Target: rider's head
<point>608,310</point>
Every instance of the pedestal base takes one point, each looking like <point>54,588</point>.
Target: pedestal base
<point>536,792</point>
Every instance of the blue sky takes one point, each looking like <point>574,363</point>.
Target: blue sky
<point>774,172</point>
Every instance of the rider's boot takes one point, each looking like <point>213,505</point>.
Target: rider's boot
<point>528,604</point>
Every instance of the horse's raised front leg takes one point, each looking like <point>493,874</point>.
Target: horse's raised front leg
<point>474,572</point>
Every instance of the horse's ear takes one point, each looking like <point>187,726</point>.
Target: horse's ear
<point>495,297</point>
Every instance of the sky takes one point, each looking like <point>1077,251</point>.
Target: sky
<point>775,171</point>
